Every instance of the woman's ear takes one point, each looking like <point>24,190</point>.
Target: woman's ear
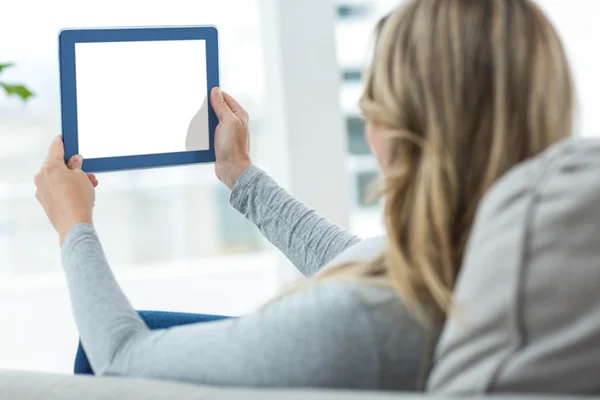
<point>378,145</point>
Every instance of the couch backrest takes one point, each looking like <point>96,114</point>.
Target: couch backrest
<point>528,296</point>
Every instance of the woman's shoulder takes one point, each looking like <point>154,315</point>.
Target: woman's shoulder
<point>370,308</point>
<point>361,251</point>
<point>369,316</point>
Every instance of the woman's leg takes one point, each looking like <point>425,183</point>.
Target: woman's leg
<point>154,320</point>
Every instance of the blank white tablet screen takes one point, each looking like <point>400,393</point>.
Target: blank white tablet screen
<point>138,98</point>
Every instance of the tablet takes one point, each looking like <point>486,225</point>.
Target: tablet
<point>138,97</point>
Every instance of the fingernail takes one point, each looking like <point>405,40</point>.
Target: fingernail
<point>75,160</point>
<point>218,93</point>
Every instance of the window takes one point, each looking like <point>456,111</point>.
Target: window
<point>351,75</point>
<point>365,182</point>
<point>170,234</point>
<point>347,11</point>
<point>354,33</point>
<point>355,128</point>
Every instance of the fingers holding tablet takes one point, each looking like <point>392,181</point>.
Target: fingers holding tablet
<point>76,162</point>
<point>236,108</point>
<point>64,191</point>
<point>232,140</point>
<point>225,105</point>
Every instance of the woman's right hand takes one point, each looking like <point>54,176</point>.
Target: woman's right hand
<point>232,141</point>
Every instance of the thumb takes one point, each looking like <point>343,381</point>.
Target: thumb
<point>57,150</point>
<point>75,162</point>
<point>219,105</point>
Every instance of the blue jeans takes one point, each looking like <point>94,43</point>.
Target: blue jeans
<point>154,320</point>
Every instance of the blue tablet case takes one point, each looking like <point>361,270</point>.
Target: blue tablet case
<point>67,40</point>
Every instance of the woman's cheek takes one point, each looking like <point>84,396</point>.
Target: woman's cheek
<point>378,145</point>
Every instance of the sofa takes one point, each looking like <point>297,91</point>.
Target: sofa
<point>15,385</point>
<point>526,321</point>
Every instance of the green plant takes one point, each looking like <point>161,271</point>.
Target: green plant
<point>14,89</point>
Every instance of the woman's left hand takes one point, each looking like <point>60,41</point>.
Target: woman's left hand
<point>65,191</point>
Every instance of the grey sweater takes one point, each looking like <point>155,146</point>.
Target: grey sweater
<point>344,335</point>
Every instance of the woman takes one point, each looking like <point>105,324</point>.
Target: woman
<point>459,91</point>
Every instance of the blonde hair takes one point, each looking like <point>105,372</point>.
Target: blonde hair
<point>463,90</point>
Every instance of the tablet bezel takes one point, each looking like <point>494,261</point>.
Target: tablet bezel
<point>67,40</point>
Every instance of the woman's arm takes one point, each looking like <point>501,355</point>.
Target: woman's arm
<point>307,239</point>
<point>321,337</point>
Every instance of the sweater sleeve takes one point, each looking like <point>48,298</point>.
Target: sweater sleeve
<point>307,239</point>
<point>319,337</point>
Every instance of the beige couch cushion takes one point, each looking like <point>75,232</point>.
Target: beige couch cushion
<point>15,385</point>
<point>528,296</point>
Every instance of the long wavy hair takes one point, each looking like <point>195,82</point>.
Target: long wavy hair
<point>462,90</point>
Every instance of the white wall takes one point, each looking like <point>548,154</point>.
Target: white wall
<point>578,24</point>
